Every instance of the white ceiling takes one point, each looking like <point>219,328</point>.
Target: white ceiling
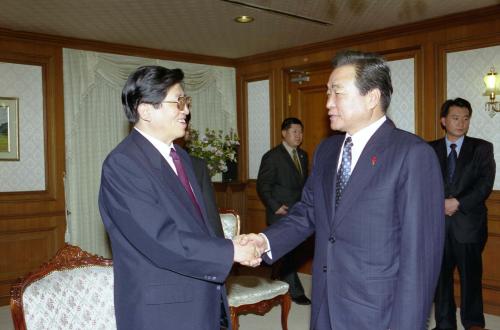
<point>207,27</point>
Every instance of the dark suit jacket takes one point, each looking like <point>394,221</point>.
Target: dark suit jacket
<point>378,254</point>
<point>279,182</point>
<point>472,184</point>
<point>169,266</point>
<point>202,175</point>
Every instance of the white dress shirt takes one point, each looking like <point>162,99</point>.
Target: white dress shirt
<point>359,141</point>
<point>162,147</point>
<point>458,144</point>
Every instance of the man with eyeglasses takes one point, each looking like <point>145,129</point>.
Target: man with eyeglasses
<point>169,265</point>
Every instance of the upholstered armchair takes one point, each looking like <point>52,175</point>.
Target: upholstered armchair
<point>74,290</point>
<point>252,294</point>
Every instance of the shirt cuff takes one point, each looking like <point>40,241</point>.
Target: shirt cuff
<point>268,250</point>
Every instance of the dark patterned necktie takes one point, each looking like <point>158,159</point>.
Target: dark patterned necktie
<point>344,170</point>
<point>452,162</point>
<point>181,174</point>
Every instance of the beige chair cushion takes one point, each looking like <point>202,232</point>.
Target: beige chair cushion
<point>245,290</point>
<point>79,298</point>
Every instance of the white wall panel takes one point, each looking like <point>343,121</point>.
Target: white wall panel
<point>402,108</point>
<point>25,83</point>
<point>259,129</point>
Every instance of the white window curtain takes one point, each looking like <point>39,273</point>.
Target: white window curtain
<point>95,124</point>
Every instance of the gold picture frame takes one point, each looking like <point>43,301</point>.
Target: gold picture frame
<point>9,128</point>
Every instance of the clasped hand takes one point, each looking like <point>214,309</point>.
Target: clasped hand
<point>248,249</point>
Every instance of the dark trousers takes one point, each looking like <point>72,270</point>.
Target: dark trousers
<point>467,258</point>
<point>288,273</point>
<point>286,268</point>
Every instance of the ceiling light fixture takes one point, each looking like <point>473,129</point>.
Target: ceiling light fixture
<point>244,19</point>
<point>278,12</point>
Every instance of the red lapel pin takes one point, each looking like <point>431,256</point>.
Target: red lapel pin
<point>374,160</point>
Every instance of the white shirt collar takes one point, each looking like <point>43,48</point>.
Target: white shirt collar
<point>288,148</point>
<point>362,136</point>
<point>162,147</point>
<point>359,141</point>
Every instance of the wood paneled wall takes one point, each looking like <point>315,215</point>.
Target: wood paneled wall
<point>428,43</point>
<point>32,223</point>
<point>491,256</point>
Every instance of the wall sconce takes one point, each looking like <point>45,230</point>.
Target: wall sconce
<point>491,81</point>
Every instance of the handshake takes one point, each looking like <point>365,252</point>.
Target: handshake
<point>248,249</point>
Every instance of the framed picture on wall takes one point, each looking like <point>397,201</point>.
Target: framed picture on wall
<point>9,128</point>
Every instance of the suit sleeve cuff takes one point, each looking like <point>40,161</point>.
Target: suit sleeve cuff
<point>268,250</point>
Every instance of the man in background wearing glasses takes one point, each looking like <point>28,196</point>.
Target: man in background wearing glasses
<point>169,266</point>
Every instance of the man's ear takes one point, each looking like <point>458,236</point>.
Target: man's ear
<point>373,98</point>
<point>144,111</point>
<point>443,122</point>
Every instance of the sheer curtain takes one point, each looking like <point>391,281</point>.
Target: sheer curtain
<point>95,124</point>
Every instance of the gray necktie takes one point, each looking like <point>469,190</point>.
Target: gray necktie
<point>344,170</point>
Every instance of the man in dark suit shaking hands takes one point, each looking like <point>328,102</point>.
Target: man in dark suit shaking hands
<point>282,174</point>
<point>169,266</point>
<point>374,200</point>
<point>468,170</point>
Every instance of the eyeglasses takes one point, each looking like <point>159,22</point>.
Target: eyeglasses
<point>182,101</point>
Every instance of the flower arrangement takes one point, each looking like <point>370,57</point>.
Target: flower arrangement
<point>214,147</point>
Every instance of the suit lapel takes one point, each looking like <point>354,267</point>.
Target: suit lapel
<point>464,158</point>
<point>162,170</point>
<point>289,161</point>
<point>303,164</point>
<point>330,176</point>
<point>365,169</point>
<point>442,155</point>
<point>196,188</point>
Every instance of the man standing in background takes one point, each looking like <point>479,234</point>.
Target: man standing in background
<point>468,169</point>
<point>282,174</point>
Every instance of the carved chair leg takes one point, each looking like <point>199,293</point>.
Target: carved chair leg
<point>285,309</point>
<point>234,318</point>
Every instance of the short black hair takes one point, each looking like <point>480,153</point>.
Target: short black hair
<point>148,84</point>
<point>458,102</point>
<point>372,72</point>
<point>288,122</point>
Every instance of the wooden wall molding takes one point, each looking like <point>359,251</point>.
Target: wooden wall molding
<point>242,81</point>
<point>24,245</point>
<point>32,223</point>
<point>463,44</point>
<point>52,198</point>
<point>106,47</point>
